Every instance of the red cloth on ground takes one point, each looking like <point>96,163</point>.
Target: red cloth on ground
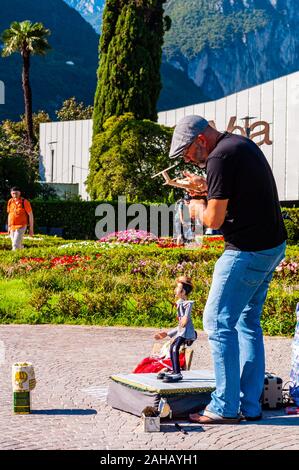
<point>155,364</point>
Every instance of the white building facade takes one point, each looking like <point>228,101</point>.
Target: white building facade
<point>267,113</point>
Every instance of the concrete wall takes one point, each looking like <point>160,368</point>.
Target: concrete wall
<point>69,143</point>
<point>275,103</point>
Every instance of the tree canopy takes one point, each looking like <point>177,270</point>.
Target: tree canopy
<point>125,156</point>
<point>130,58</point>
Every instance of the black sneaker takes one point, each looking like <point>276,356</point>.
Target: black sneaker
<point>162,375</point>
<point>170,378</point>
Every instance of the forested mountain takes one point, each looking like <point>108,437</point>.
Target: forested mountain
<point>214,48</point>
<point>226,45</point>
<point>69,69</point>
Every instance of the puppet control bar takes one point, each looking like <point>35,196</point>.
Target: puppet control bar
<point>182,184</point>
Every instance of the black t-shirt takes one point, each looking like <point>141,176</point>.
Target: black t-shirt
<point>237,170</point>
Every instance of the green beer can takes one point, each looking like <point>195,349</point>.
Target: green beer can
<point>23,381</point>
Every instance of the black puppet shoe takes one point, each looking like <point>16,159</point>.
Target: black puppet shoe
<point>172,378</point>
<point>162,375</point>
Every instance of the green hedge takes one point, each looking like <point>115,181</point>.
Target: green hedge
<point>78,220</point>
<point>292,224</point>
<point>129,286</point>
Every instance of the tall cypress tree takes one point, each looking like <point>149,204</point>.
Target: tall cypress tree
<point>130,59</point>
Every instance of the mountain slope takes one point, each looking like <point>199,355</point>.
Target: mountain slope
<point>91,10</point>
<point>178,90</point>
<point>214,48</point>
<point>228,45</point>
<point>70,67</point>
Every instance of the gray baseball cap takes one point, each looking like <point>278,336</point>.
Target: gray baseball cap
<point>185,132</point>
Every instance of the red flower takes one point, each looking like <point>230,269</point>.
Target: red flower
<point>35,260</point>
<point>214,239</point>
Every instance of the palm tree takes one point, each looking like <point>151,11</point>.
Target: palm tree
<point>27,39</point>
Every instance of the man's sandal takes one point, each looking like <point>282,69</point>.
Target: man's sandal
<point>251,418</point>
<point>207,417</point>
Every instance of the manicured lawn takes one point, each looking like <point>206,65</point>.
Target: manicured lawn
<point>14,295</point>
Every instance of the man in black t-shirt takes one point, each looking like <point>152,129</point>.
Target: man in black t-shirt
<point>242,202</point>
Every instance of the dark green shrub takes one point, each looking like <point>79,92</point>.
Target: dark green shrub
<point>40,298</point>
<point>68,306</point>
<point>292,225</point>
<point>279,317</point>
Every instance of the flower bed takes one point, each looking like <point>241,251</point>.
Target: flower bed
<point>70,262</point>
<point>125,283</point>
<point>286,268</point>
<point>167,243</point>
<point>139,237</point>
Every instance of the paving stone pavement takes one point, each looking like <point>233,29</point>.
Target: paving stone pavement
<point>73,365</point>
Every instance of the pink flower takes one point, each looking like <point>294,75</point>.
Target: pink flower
<point>130,236</point>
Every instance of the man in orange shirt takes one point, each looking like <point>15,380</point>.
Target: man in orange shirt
<point>19,214</point>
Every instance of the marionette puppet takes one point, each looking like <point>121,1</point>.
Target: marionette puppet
<point>184,333</point>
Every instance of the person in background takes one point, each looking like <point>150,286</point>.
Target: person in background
<point>20,215</point>
<point>181,221</point>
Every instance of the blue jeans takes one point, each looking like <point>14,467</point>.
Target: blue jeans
<point>232,322</point>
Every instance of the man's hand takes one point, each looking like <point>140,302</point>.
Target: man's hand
<point>31,232</point>
<point>200,181</point>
